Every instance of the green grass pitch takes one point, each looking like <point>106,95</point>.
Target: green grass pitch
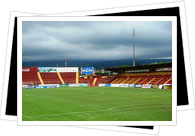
<point>96,104</point>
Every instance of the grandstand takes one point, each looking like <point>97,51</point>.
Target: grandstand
<point>31,75</point>
<point>37,77</point>
<point>153,74</point>
<point>158,74</point>
<point>144,78</point>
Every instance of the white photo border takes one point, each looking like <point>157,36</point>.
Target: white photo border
<point>110,123</point>
<point>129,8</point>
<point>105,11</point>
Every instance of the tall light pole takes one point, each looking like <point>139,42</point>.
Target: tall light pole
<point>57,61</point>
<point>65,62</point>
<point>133,34</point>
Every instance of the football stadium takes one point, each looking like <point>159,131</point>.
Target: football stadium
<point>110,75</point>
<point>140,93</point>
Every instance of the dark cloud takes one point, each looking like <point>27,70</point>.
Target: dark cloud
<point>95,40</point>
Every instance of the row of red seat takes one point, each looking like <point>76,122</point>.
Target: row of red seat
<point>30,78</point>
<point>70,77</point>
<point>147,78</point>
<point>48,78</point>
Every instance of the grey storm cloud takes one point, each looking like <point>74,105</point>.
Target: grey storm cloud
<point>48,40</point>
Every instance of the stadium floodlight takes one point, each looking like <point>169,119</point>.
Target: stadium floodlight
<point>57,61</point>
<point>133,34</point>
<point>65,62</point>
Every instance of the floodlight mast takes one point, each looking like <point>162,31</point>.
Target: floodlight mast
<point>65,62</point>
<point>133,34</point>
<point>57,61</point>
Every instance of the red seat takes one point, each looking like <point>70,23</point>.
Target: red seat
<point>50,78</point>
<point>68,77</point>
<point>30,78</point>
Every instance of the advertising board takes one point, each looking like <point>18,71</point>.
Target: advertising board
<point>107,85</point>
<point>138,86</point>
<point>57,85</point>
<point>64,85</point>
<point>58,69</point>
<point>164,69</point>
<point>38,86</point>
<point>160,87</point>
<point>43,86</point>
<point>154,86</point>
<point>73,85</point>
<point>87,70</point>
<point>67,69</point>
<point>83,85</point>
<point>146,86</point>
<point>131,85</point>
<point>168,86</point>
<point>26,86</point>
<point>101,85</point>
<point>51,86</point>
<point>115,85</point>
<point>29,69</point>
<point>124,85</point>
<point>47,69</point>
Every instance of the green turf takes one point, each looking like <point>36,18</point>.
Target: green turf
<point>96,104</point>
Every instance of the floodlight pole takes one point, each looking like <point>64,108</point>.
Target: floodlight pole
<point>133,33</point>
<point>57,61</point>
<point>65,63</point>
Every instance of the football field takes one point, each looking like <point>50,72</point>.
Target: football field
<point>96,104</point>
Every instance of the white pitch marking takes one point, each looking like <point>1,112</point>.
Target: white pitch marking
<point>114,108</point>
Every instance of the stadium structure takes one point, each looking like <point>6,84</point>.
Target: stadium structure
<point>146,76</point>
<point>79,94</point>
<point>98,93</point>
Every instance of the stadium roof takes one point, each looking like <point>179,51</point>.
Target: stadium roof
<point>151,67</point>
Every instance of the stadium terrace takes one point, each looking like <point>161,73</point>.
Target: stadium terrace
<point>147,76</point>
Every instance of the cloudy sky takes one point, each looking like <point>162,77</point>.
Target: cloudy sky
<point>48,40</point>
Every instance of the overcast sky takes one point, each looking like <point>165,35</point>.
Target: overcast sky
<point>48,40</point>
